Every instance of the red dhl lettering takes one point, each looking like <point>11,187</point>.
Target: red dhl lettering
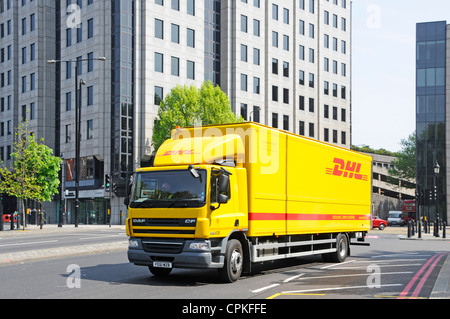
<point>180,152</point>
<point>347,169</point>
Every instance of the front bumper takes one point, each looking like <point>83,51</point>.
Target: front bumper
<point>145,251</point>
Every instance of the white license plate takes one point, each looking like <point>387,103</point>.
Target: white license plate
<point>162,264</point>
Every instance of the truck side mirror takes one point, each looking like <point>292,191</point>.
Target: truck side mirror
<point>126,201</point>
<point>224,183</point>
<point>223,199</point>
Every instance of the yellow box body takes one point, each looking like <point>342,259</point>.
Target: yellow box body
<point>283,184</point>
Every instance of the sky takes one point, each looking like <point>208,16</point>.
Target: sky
<point>383,68</point>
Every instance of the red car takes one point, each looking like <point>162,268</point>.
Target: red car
<point>378,223</point>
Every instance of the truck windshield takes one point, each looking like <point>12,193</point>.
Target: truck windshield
<point>165,189</point>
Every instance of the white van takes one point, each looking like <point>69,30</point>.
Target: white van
<point>395,218</point>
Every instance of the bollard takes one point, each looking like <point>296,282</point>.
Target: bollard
<point>412,228</point>
<point>409,228</point>
<point>419,229</point>
<point>444,231</point>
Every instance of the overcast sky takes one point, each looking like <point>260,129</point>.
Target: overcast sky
<point>383,67</point>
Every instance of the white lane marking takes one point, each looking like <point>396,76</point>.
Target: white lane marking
<point>335,265</point>
<point>29,243</point>
<point>264,288</point>
<point>292,278</point>
<point>355,275</point>
<point>335,288</point>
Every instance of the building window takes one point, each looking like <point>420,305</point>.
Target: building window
<point>301,128</point>
<point>256,27</point>
<point>286,96</point>
<point>311,129</point>
<point>68,101</point>
<point>274,12</point>
<point>285,16</point>
<point>159,58</point>
<point>274,93</point>
<point>243,82</point>
<point>274,66</point>
<point>175,31</point>
<point>244,111</point>
<point>275,120</point>
<point>191,38</point>
<point>191,7</point>
<point>90,28</point>
<point>90,95</point>
<point>256,58</point>
<point>286,42</point>
<point>286,122</point>
<point>68,37</point>
<point>311,105</point>
<point>80,33</point>
<point>159,29</point>
<point>244,27</point>
<point>275,39</point>
<point>286,69</point>
<point>68,138</point>
<point>175,66</point>
<point>158,95</point>
<point>256,85</point>
<point>176,5</point>
<point>90,130</point>
<point>301,103</point>
<point>191,70</point>
<point>335,134</point>
<point>243,53</point>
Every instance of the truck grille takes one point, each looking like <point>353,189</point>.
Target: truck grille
<point>181,226</point>
<point>153,245</point>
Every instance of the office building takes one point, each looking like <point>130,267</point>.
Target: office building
<point>285,64</point>
<point>432,116</point>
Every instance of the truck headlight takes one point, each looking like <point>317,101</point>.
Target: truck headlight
<point>133,243</point>
<point>204,245</point>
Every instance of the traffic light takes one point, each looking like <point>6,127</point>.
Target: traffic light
<point>107,182</point>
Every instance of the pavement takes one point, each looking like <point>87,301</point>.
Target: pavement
<point>58,252</point>
<point>441,289</point>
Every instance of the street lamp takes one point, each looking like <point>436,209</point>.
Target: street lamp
<point>436,174</point>
<point>77,126</point>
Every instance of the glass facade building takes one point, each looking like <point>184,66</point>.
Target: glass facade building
<point>431,109</point>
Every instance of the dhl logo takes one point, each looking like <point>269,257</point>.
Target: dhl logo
<point>347,169</point>
<point>180,152</point>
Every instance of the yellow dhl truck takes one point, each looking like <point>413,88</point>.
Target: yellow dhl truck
<point>228,196</point>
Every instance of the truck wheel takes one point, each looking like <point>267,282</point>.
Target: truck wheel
<point>234,262</point>
<point>341,250</point>
<point>160,272</point>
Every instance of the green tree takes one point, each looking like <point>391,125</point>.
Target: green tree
<point>34,172</point>
<point>405,161</point>
<point>189,106</point>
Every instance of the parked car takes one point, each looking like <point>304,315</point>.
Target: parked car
<point>395,218</point>
<point>379,223</point>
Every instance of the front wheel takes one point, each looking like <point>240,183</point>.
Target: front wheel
<point>381,227</point>
<point>234,262</point>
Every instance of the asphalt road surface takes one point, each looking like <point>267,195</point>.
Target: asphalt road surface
<point>389,269</point>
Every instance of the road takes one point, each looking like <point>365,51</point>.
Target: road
<point>389,269</point>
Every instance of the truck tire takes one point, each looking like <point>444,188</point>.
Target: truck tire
<point>234,262</point>
<point>341,250</point>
